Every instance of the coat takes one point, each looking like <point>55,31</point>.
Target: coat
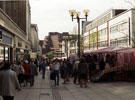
<point>26,69</point>
<point>83,68</point>
<point>8,83</point>
<point>33,69</point>
<point>18,69</point>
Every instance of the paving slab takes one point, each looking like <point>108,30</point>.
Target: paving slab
<point>44,89</point>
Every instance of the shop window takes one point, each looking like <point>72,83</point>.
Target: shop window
<point>1,54</point>
<point>124,41</point>
<point>6,53</point>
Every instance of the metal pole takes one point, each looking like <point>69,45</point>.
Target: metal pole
<point>67,48</point>
<point>78,20</point>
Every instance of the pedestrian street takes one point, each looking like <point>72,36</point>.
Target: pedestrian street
<point>44,89</point>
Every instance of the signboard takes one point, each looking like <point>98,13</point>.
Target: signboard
<point>33,55</point>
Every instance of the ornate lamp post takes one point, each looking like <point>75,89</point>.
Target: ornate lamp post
<point>77,14</point>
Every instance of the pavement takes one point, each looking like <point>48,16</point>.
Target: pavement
<point>44,89</point>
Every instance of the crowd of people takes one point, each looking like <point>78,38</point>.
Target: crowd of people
<point>15,75</point>
<point>21,73</point>
<point>82,70</point>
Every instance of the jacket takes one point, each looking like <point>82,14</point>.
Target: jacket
<point>8,83</point>
<point>83,68</point>
<point>33,69</point>
<point>76,65</point>
<point>26,69</point>
<point>18,69</point>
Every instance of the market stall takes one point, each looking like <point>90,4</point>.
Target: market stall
<point>120,63</point>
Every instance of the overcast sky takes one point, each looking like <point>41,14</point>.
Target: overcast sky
<point>53,15</point>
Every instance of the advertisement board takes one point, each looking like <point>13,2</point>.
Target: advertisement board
<point>33,55</point>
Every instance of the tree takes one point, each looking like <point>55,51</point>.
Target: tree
<point>49,55</point>
<point>131,2</point>
<point>74,30</point>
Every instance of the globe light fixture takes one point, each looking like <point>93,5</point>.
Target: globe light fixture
<point>77,16</point>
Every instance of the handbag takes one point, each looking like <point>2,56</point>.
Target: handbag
<point>52,76</point>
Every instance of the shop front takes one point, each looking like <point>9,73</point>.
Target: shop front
<point>6,46</point>
<point>21,50</point>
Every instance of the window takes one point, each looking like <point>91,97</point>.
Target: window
<point>114,29</point>
<point>102,33</point>
<point>123,26</point>
<point>123,41</point>
<point>102,44</point>
<point>113,43</point>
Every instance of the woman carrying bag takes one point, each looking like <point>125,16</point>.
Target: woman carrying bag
<point>18,68</point>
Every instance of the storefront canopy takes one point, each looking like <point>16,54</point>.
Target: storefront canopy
<point>127,50</point>
<point>106,50</point>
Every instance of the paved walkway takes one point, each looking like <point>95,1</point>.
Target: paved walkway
<point>44,90</point>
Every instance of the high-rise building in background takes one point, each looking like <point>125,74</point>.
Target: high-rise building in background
<point>52,43</point>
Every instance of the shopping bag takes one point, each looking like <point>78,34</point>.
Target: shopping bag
<point>52,76</point>
<point>67,79</point>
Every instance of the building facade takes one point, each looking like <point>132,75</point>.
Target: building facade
<point>69,45</point>
<point>19,12</point>
<point>34,38</point>
<point>113,28</point>
<point>53,43</point>
<point>14,27</point>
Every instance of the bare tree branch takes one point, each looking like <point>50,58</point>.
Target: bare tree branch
<point>130,3</point>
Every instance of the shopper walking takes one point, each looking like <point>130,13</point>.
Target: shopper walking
<point>101,65</point>
<point>75,71</point>
<point>83,72</point>
<point>8,82</point>
<point>18,68</point>
<point>70,68</point>
<point>64,71</point>
<point>26,67</point>
<point>44,65</point>
<point>33,72</point>
<point>56,71</point>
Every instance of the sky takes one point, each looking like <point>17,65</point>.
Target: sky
<point>53,15</point>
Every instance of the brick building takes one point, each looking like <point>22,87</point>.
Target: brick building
<point>52,42</point>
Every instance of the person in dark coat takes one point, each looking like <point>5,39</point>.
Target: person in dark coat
<point>83,72</point>
<point>44,65</point>
<point>64,71</point>
<point>70,68</point>
<point>8,82</point>
<point>75,71</point>
<point>101,65</point>
<point>33,72</point>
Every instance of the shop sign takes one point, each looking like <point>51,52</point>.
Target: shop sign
<point>6,37</point>
<point>33,55</point>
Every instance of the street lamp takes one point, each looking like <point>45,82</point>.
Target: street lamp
<point>77,14</point>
